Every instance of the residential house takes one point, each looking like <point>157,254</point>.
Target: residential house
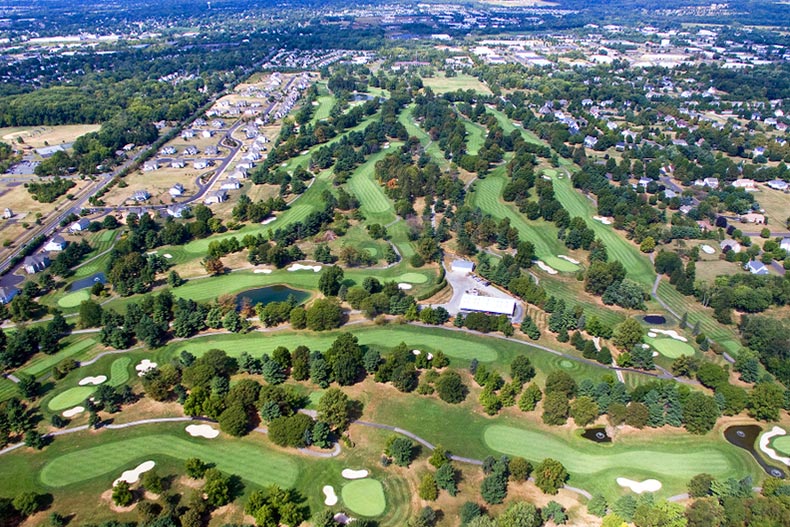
<point>177,163</point>
<point>218,196</point>
<point>462,266</point>
<point>785,244</point>
<point>590,141</point>
<point>36,263</point>
<point>80,225</point>
<point>753,217</point>
<point>211,150</point>
<point>246,165</point>
<point>7,294</point>
<point>176,190</point>
<point>230,184</point>
<point>730,245</point>
<point>177,211</point>
<point>200,164</point>
<point>778,184</point>
<point>8,214</point>
<point>758,151</point>
<point>191,150</point>
<point>669,194</point>
<point>169,150</point>
<point>141,195</point>
<point>756,267</point>
<point>207,134</point>
<point>57,243</point>
<point>150,166</point>
<point>746,184</point>
<point>239,173</point>
<point>187,134</point>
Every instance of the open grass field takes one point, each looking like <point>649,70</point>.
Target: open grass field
<point>669,347</point>
<point>442,84</point>
<point>637,265</point>
<point>776,205</point>
<point>488,196</point>
<point>113,456</point>
<point>696,313</point>
<point>7,389</point>
<point>204,289</point>
<point>364,497</point>
<point>40,136</point>
<point>76,395</point>
<point>74,299</point>
<point>673,460</point>
<point>157,183</point>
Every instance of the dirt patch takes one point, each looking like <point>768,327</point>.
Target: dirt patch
<point>106,496</point>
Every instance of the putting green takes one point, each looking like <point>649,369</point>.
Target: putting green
<point>232,456</point>
<point>70,398</point>
<point>671,460</point>
<point>74,299</point>
<point>563,266</point>
<point>781,444</point>
<point>364,497</point>
<point>411,278</point>
<point>669,347</point>
<point>119,371</point>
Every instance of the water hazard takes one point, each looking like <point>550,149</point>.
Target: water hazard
<point>745,437</point>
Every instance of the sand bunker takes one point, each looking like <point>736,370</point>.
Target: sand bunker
<point>300,267</point>
<point>707,249</point>
<point>670,333</point>
<point>167,255</point>
<point>330,496</point>
<point>93,380</point>
<point>133,476</point>
<point>648,485</point>
<point>574,261</point>
<point>547,178</point>
<point>769,451</point>
<point>354,474</point>
<point>144,367</point>
<point>546,268</point>
<point>262,271</point>
<point>418,352</point>
<point>71,412</point>
<point>404,286</point>
<point>267,221</point>
<point>651,334</point>
<point>602,219</point>
<point>202,431</point>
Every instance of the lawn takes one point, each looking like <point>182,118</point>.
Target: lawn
<point>76,395</point>
<point>782,444</point>
<point>325,104</point>
<point>637,265</point>
<point>110,458</point>
<point>560,264</point>
<point>364,497</point>
<point>442,84</point>
<point>119,371</point>
<point>74,299</point>
<point>70,398</point>
<point>203,289</point>
<point>374,203</point>
<point>669,347</point>
<point>475,136</point>
<point>43,363</point>
<point>508,126</point>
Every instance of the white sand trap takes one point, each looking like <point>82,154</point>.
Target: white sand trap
<point>602,219</point>
<point>547,178</point>
<point>404,286</point>
<point>167,255</point>
<point>651,334</point>
<point>144,367</point>
<point>670,333</point>
<point>267,221</point>
<point>770,452</point>
<point>648,485</point>
<point>206,431</point>
<point>93,380</point>
<point>416,352</point>
<point>330,496</point>
<point>342,518</point>
<point>133,476</point>
<point>655,354</point>
<point>300,267</point>
<point>546,268</point>
<point>707,249</point>
<point>354,474</point>
<point>262,271</point>
<point>430,356</point>
<point>71,412</point>
<point>645,346</point>
<point>574,261</point>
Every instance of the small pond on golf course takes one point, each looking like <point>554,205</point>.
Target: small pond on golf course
<point>654,319</point>
<point>745,436</point>
<point>597,434</point>
<point>271,293</point>
<point>88,282</point>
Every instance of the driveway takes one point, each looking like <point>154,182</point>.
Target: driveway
<point>462,282</point>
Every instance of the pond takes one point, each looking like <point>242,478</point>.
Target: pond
<point>271,293</point>
<point>745,437</point>
<point>598,435</point>
<point>654,319</point>
<point>88,282</point>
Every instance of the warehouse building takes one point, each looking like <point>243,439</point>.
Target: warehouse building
<point>487,304</point>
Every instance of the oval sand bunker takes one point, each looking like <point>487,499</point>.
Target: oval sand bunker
<point>145,366</point>
<point>206,431</point>
<point>354,474</point>
<point>93,380</point>
<point>330,497</point>
<point>73,411</point>
<point>648,485</point>
<point>133,476</point>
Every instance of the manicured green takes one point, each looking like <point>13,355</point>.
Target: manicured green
<point>412,278</point>
<point>74,299</point>
<point>119,371</point>
<point>247,460</point>
<point>75,346</point>
<point>564,266</point>
<point>669,347</point>
<point>364,497</point>
<point>70,398</point>
<point>781,444</point>
<point>325,103</point>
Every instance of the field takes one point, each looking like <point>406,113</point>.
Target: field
<point>364,497</point>
<point>475,137</point>
<point>40,136</point>
<point>70,398</point>
<point>74,346</point>
<point>443,84</point>
<point>74,299</point>
<point>669,347</point>
<point>777,208</point>
<point>157,183</point>
<point>374,203</point>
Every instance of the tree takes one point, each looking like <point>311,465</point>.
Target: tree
<point>662,514</point>
<point>550,475</point>
<point>636,415</point>
<point>90,314</point>
<point>291,431</point>
<point>628,334</point>
<point>27,503</point>
<point>555,409</point>
<point>494,487</point>
<point>521,369</point>
<point>699,413</point>
<point>334,408</point>
<point>122,495</point>
<point>324,314</point>
<point>217,488</point>
<point>699,486</point>
<point>235,420</point>
<point>330,280</point>
<point>559,381</point>
<point>468,512</point>
<point>519,469</point>
<point>648,245</point>
<point>712,375</point>
<point>584,410</point>
<point>401,450</point>
<point>705,512</point>
<point>520,514</point>
<point>553,511</point>
<point>597,506</point>
<point>446,479</point>
<point>152,482</point>
<point>530,398</point>
<point>195,468</point>
<point>450,388</point>
<point>428,489</point>
<point>439,457</point>
<point>213,265</point>
<point>765,401</point>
